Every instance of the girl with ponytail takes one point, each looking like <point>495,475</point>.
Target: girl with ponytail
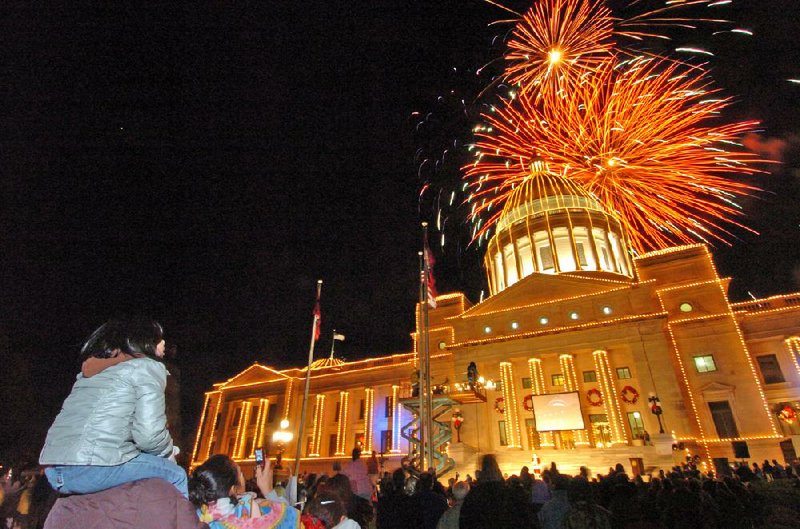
<point>216,488</point>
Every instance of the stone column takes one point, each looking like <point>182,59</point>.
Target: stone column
<point>511,405</point>
<point>567,362</point>
<point>610,397</point>
<point>261,421</point>
<point>241,431</point>
<point>316,435</point>
<point>341,430</point>
<point>369,405</point>
<point>793,345</point>
<point>539,388</point>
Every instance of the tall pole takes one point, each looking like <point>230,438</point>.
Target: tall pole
<point>420,364</point>
<point>427,349</point>
<point>333,342</point>
<point>301,428</point>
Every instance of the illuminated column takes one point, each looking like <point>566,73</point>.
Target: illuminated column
<point>793,345</point>
<point>368,419</point>
<point>609,394</point>
<point>200,428</point>
<point>567,362</point>
<point>537,384</point>
<point>241,432</point>
<point>511,405</point>
<point>396,420</point>
<point>213,413</point>
<point>287,398</point>
<point>261,421</point>
<point>341,431</point>
<point>316,435</point>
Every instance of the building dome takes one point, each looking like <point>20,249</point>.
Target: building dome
<point>551,225</point>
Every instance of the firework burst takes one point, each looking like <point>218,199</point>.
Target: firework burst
<point>640,136</point>
<point>556,42</point>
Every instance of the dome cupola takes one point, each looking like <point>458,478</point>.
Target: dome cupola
<point>551,225</point>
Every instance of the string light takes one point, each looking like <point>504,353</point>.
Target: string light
<point>316,432</point>
<point>214,410</point>
<point>261,420</point>
<point>793,345</point>
<point>511,405</point>
<point>241,432</point>
<point>395,420</point>
<point>567,362</point>
<point>369,404</point>
<point>200,428</point>
<point>287,398</point>
<point>539,388</point>
<point>341,433</point>
<point>609,394</point>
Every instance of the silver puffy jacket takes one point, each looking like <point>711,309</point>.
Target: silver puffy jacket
<point>110,418</point>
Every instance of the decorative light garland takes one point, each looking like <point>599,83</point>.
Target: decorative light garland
<point>368,418</point>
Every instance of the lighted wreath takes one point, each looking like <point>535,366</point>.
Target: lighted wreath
<point>594,397</point>
<point>629,395</point>
<point>787,414</point>
<point>527,402</point>
<point>498,405</point>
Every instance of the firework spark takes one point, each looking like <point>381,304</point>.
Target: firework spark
<point>639,135</point>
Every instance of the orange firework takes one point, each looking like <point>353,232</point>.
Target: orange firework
<point>640,136</point>
<point>558,41</point>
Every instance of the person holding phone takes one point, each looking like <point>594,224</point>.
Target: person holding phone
<point>112,428</point>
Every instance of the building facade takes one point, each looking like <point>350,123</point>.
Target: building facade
<point>571,311</point>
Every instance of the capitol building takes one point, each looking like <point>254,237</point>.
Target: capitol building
<point>574,321</point>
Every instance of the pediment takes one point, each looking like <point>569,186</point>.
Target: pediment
<point>717,388</point>
<point>542,288</point>
<point>254,374</point>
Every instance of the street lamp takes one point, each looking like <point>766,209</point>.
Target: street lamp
<point>281,438</point>
<point>655,408</point>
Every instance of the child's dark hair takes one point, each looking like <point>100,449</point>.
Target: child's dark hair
<point>135,337</point>
<point>213,480</point>
<point>327,507</point>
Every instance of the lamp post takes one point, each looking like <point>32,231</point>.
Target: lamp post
<point>281,438</point>
<point>655,408</point>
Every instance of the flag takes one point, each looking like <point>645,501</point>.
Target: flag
<point>430,286</point>
<point>337,336</point>
<point>317,318</point>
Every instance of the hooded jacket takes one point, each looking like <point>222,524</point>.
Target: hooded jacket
<point>112,416</point>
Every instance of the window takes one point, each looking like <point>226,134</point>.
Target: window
<point>636,424</point>
<point>231,444</point>
<point>216,421</point>
<point>332,444</point>
<point>581,255</point>
<point>253,416</point>
<point>623,373</point>
<point>546,257</point>
<point>501,425</point>
<point>248,447</point>
<point>386,441</point>
<point>361,410</point>
<point>704,364</point>
<point>526,382</point>
<point>309,445</point>
<point>557,379</point>
<point>237,414</point>
<point>590,376</point>
<point>388,407</point>
<point>271,411</point>
<point>723,419</point>
<point>770,369</point>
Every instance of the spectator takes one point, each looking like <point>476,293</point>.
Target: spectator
<point>552,514</point>
<point>431,505</point>
<point>491,503</point>
<point>449,519</point>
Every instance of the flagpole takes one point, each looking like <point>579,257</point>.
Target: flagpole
<point>300,436</point>
<point>333,342</point>
<point>420,366</point>
<point>427,349</point>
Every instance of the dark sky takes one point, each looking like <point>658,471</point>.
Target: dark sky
<point>206,164</point>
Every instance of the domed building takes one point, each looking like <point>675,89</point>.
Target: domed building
<point>567,360</point>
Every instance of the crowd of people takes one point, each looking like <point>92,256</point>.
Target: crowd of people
<point>109,461</point>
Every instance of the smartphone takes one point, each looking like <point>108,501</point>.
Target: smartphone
<point>259,457</point>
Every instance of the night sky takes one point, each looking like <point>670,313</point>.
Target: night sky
<point>205,165</point>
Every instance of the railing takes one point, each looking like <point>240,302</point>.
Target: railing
<point>758,305</point>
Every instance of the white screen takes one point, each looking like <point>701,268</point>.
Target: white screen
<point>559,411</point>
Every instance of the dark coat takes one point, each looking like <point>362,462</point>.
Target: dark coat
<point>150,503</point>
<point>496,505</point>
